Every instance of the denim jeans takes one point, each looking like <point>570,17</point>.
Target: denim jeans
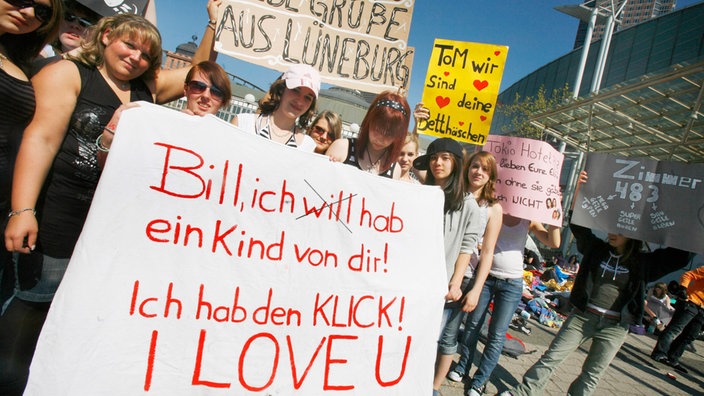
<point>506,294</point>
<point>53,270</point>
<point>452,317</point>
<point>607,337</point>
<point>681,331</point>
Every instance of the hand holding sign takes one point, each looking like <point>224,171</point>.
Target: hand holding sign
<point>461,87</point>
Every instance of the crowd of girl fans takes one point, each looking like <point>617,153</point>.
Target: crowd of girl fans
<point>57,128</point>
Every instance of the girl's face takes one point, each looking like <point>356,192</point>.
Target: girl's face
<point>378,140</point>
<point>322,134</point>
<point>408,154</point>
<point>16,20</point>
<point>126,58</point>
<point>478,175</point>
<point>441,166</point>
<point>201,96</point>
<point>617,241</point>
<point>295,102</point>
<point>73,29</point>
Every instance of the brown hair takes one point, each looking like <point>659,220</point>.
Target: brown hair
<point>117,26</point>
<point>488,161</point>
<point>333,119</point>
<point>390,121</point>
<point>272,100</point>
<point>217,75</point>
<point>23,48</point>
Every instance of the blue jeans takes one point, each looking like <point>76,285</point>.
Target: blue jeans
<point>452,317</point>
<point>607,337</point>
<point>683,328</point>
<point>506,294</point>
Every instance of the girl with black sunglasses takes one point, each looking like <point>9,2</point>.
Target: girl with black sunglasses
<point>56,171</point>
<point>25,27</point>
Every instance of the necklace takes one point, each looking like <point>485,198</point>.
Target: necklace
<point>373,163</point>
<point>281,135</point>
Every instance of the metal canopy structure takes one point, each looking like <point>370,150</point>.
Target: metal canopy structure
<point>658,116</point>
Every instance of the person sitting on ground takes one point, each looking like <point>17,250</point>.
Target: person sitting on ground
<point>658,310</point>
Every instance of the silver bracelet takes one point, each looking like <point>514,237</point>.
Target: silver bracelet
<point>99,144</point>
<point>16,212</point>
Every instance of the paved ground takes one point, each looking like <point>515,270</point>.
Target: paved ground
<point>631,373</point>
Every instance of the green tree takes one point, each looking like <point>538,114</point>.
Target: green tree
<point>521,109</point>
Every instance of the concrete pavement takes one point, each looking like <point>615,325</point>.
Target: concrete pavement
<point>632,372</point>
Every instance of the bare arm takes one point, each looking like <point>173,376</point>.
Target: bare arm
<point>580,180</point>
<point>486,258</point>
<point>550,236</point>
<point>338,150</point>
<point>56,89</point>
<point>168,84</point>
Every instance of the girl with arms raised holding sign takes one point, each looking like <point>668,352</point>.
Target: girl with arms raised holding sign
<point>608,295</point>
<point>462,227</point>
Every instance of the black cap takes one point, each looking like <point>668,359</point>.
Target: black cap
<point>437,146</point>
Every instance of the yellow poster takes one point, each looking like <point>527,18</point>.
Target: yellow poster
<point>461,88</point>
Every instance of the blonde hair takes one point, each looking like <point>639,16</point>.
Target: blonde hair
<point>412,138</point>
<point>118,26</point>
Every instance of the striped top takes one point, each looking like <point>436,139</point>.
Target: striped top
<point>16,110</point>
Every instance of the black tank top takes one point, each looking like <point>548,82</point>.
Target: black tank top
<point>16,110</point>
<point>354,161</point>
<point>74,174</point>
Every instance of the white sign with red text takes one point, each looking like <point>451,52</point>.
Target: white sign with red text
<point>215,261</point>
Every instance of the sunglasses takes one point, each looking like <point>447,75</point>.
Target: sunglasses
<point>198,87</point>
<point>321,131</point>
<point>41,11</point>
<point>84,23</point>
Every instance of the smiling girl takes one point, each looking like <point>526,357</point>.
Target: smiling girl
<point>57,170</point>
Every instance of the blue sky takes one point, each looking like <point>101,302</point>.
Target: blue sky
<point>534,32</point>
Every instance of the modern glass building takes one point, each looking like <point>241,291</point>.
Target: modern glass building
<point>658,62</point>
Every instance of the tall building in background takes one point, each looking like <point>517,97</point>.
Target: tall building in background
<point>635,12</point>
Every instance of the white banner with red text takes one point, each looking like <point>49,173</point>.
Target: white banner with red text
<point>215,261</point>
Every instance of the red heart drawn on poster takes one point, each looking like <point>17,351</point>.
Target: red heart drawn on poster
<point>479,85</point>
<point>446,74</point>
<point>483,118</point>
<point>442,101</point>
<point>461,123</point>
<point>497,53</point>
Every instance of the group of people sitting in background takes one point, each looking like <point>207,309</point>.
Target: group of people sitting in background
<point>57,130</point>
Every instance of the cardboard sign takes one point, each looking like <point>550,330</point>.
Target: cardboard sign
<point>112,7</point>
<point>461,88</point>
<point>654,201</point>
<point>357,45</point>
<point>528,182</point>
<point>215,261</point>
